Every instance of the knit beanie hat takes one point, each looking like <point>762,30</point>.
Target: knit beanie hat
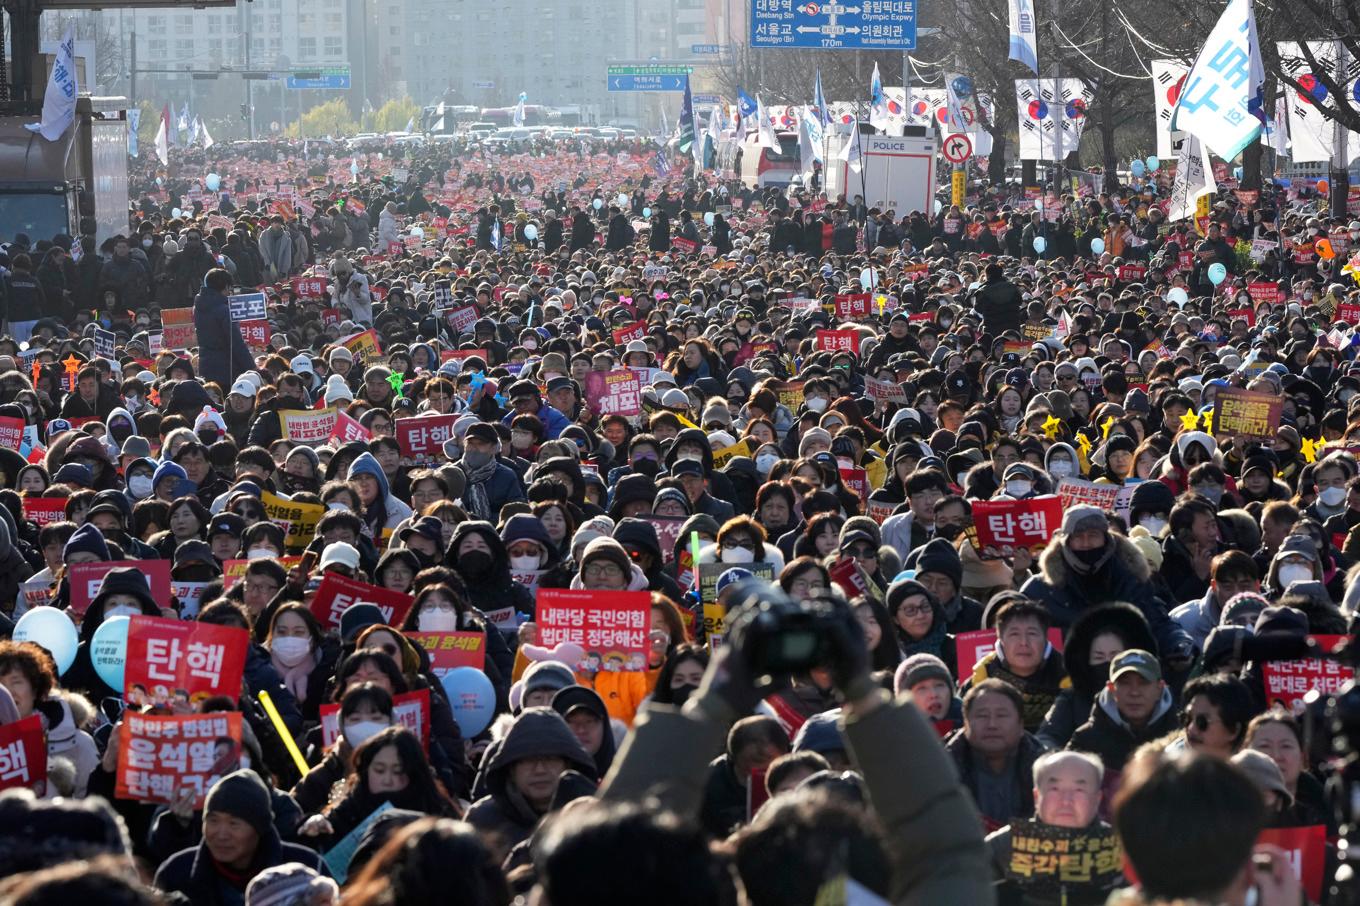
<point>547,675</point>
<point>243,795</point>
<point>88,540</point>
<point>937,556</point>
<point>610,550</point>
<point>812,435</point>
<point>917,669</point>
<point>289,884</point>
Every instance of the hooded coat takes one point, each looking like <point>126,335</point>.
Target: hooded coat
<point>222,352</point>
<point>193,873</point>
<point>504,813</point>
<point>1124,576</point>
<point>1073,706</point>
<point>720,490</point>
<point>386,511</point>
<point>640,534</point>
<point>14,570</point>
<point>1108,735</point>
<point>494,590</point>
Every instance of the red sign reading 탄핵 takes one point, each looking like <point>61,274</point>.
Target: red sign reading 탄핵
<point>422,438</point>
<point>336,594</point>
<point>1012,524</point>
<point>175,660</point>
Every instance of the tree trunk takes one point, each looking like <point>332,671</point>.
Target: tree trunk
<point>996,163</point>
<point>1108,156</point>
<point>1251,165</point>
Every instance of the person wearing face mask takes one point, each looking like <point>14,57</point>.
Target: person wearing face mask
<point>681,674</point>
<point>489,484</point>
<point>1060,461</point>
<point>1021,481</point>
<point>365,711</point>
<point>123,592</point>
<point>741,541</point>
<point>479,557</point>
<point>1297,560</point>
<point>531,550</point>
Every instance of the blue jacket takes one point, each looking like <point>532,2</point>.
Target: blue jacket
<point>554,422</point>
<point>222,352</point>
<point>192,872</point>
<point>387,511</point>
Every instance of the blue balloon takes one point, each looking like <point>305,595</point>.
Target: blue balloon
<point>1138,168</point>
<point>213,182</point>
<point>708,218</point>
<point>1217,273</point>
<point>53,630</point>
<point>472,698</point>
<point>108,650</point>
<point>530,232</point>
<point>597,203</point>
<point>646,213</point>
<point>1040,243</point>
<point>1153,163</point>
<point>1097,246</point>
<point>622,200</point>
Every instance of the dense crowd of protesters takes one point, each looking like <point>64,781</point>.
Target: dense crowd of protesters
<point>1003,348</point>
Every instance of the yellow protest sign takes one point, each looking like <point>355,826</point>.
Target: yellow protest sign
<point>364,346</point>
<point>723,455</point>
<point>307,426</point>
<point>298,520</point>
<point>959,187</point>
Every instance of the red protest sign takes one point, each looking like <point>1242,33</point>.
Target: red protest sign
<point>173,662</point>
<point>23,753</point>
<point>626,334</point>
<point>234,571</point>
<point>856,480</point>
<point>422,438</point>
<point>11,432</point>
<point>411,709</point>
<point>1131,273</point>
<point>160,754</point>
<point>852,305</point>
<point>347,429</point>
<point>42,510</point>
<point>448,650</point>
<point>449,355</point>
<point>1265,291</point>
<point>336,594</point>
<point>330,316</point>
<point>255,333</point>
<point>617,392</point>
<point>611,626</point>
<point>838,340</point>
<point>684,246</point>
<point>1245,314</point>
<point>460,319</point>
<point>86,578</point>
<point>1306,849</point>
<point>1348,312</point>
<point>972,647</point>
<point>1287,682</point>
<point>311,288</point>
<point>1011,524</point>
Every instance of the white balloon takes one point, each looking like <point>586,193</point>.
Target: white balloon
<point>417,232</point>
<point>530,232</point>
<point>1178,295</point>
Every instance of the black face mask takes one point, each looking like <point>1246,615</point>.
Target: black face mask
<point>475,564</point>
<point>649,467</point>
<point>949,532</point>
<point>681,694</point>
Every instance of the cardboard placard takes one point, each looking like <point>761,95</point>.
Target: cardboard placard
<point>884,391</point>
<point>247,307</point>
<point>616,392</point>
<point>85,579</point>
<point>724,455</point>
<point>364,346</point>
<point>629,332</point>
<point>1045,855</point>
<point>178,662</point>
<point>307,426</point>
<point>177,328</point>
<point>160,754</point>
<point>422,438</point>
<point>611,626</point>
<point>1076,492</point>
<point>298,520</point>
<point>1250,413</point>
<point>448,650</point>
<point>347,429</point>
<point>667,533</point>
<point>1287,682</point>
<point>336,594</point>
<point>311,288</point>
<point>256,333</point>
<point>852,305</point>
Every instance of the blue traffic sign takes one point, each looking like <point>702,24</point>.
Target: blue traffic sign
<point>850,25</point>
<point>647,82</point>
<point>328,80</point>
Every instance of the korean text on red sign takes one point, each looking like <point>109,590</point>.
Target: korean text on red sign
<point>448,650</point>
<point>23,753</point>
<point>159,755</point>
<point>838,340</point>
<point>174,662</point>
<point>1013,524</point>
<point>85,579</point>
<point>422,438</point>
<point>336,593</point>
<point>617,392</point>
<point>1287,682</point>
<point>611,626</point>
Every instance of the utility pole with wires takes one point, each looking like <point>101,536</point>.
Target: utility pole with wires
<point>1339,181</point>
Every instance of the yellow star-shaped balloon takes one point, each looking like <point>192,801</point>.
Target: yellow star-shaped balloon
<point>1051,426</point>
<point>1084,452</point>
<point>1105,427</point>
<point>72,364</point>
<point>1309,449</point>
<point>1207,417</point>
<point>1190,421</point>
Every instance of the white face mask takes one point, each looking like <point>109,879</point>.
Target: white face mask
<point>1294,572</point>
<point>357,734</point>
<point>438,621</point>
<point>524,563</point>
<point>766,462</point>
<point>1019,488</point>
<point>1153,524</point>
<point>140,486</point>
<point>1060,468</point>
<point>290,650</point>
<point>816,404</point>
<point>260,553</point>
<point>122,610</point>
<point>737,555</point>
<point>530,345</point>
<point>1332,496</point>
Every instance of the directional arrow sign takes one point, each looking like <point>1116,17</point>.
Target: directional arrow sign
<point>647,82</point>
<point>957,148</point>
<point>881,25</point>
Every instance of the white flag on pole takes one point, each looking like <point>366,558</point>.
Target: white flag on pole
<point>851,152</point>
<point>163,137</point>
<point>767,136</point>
<point>207,139</point>
<point>1223,101</point>
<point>1024,42</point>
<point>1194,177</point>
<point>59,101</point>
<point>878,103</point>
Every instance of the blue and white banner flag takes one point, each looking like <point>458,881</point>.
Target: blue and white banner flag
<point>1223,101</point>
